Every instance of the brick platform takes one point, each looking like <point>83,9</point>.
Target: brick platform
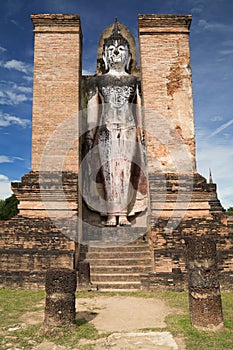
<point>30,246</point>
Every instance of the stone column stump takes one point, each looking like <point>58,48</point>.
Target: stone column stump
<point>60,286</point>
<point>84,277</point>
<point>204,291</point>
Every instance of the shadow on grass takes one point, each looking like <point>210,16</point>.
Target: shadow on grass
<point>83,317</point>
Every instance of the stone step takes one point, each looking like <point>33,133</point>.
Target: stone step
<point>121,269</point>
<point>111,244</point>
<point>114,277</point>
<point>110,252</point>
<point>119,261</point>
<point>113,235</point>
<point>117,255</point>
<point>119,286</point>
<point>143,246</point>
<point>119,290</point>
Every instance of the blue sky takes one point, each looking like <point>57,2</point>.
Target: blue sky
<point>211,42</point>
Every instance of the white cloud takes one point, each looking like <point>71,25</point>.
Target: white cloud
<point>13,94</point>
<point>5,159</point>
<point>19,66</point>
<point>196,10</point>
<point>5,187</point>
<point>18,158</point>
<point>217,119</point>
<point>28,78</point>
<point>16,98</point>
<point>221,128</point>
<point>3,178</point>
<point>7,120</point>
<point>227,43</point>
<point>226,194</point>
<point>2,49</point>
<point>226,52</point>
<point>14,22</point>
<point>25,89</point>
<point>217,154</point>
<point>215,26</point>
<point>87,72</point>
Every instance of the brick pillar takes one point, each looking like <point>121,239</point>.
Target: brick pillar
<point>60,286</point>
<point>167,91</point>
<point>55,120</point>
<point>204,292</point>
<point>56,95</point>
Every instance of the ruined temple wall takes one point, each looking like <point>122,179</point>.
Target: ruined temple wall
<point>169,249</point>
<point>47,194</point>
<point>30,246</point>
<point>167,90</point>
<point>56,94</point>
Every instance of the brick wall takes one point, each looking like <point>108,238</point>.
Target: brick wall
<point>30,246</point>
<point>57,71</point>
<point>167,91</point>
<point>52,194</point>
<point>170,250</point>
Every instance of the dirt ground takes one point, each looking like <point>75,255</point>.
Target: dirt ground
<point>128,318</point>
<point>125,313</point>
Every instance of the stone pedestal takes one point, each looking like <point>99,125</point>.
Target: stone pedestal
<point>204,291</point>
<point>60,289</point>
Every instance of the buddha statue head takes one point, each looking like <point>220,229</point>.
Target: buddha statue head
<point>116,51</point>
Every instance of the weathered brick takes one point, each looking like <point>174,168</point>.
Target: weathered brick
<point>56,93</point>
<point>167,90</point>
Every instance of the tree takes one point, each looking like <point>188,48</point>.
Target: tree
<point>229,211</point>
<point>8,208</point>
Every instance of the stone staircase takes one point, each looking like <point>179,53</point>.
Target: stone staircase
<point>119,268</point>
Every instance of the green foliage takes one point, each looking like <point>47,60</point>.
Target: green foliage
<point>229,211</point>
<point>8,208</point>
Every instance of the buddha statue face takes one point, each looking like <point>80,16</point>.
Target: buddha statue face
<point>116,54</point>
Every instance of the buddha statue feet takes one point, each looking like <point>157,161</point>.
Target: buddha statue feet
<point>123,221</point>
<point>111,221</point>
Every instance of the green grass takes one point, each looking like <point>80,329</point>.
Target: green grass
<point>14,303</point>
<point>84,330</point>
<point>179,325</point>
<point>194,339</point>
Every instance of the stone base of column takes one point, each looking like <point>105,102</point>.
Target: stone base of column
<point>84,277</point>
<point>206,311</point>
<point>60,289</point>
<point>204,291</point>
